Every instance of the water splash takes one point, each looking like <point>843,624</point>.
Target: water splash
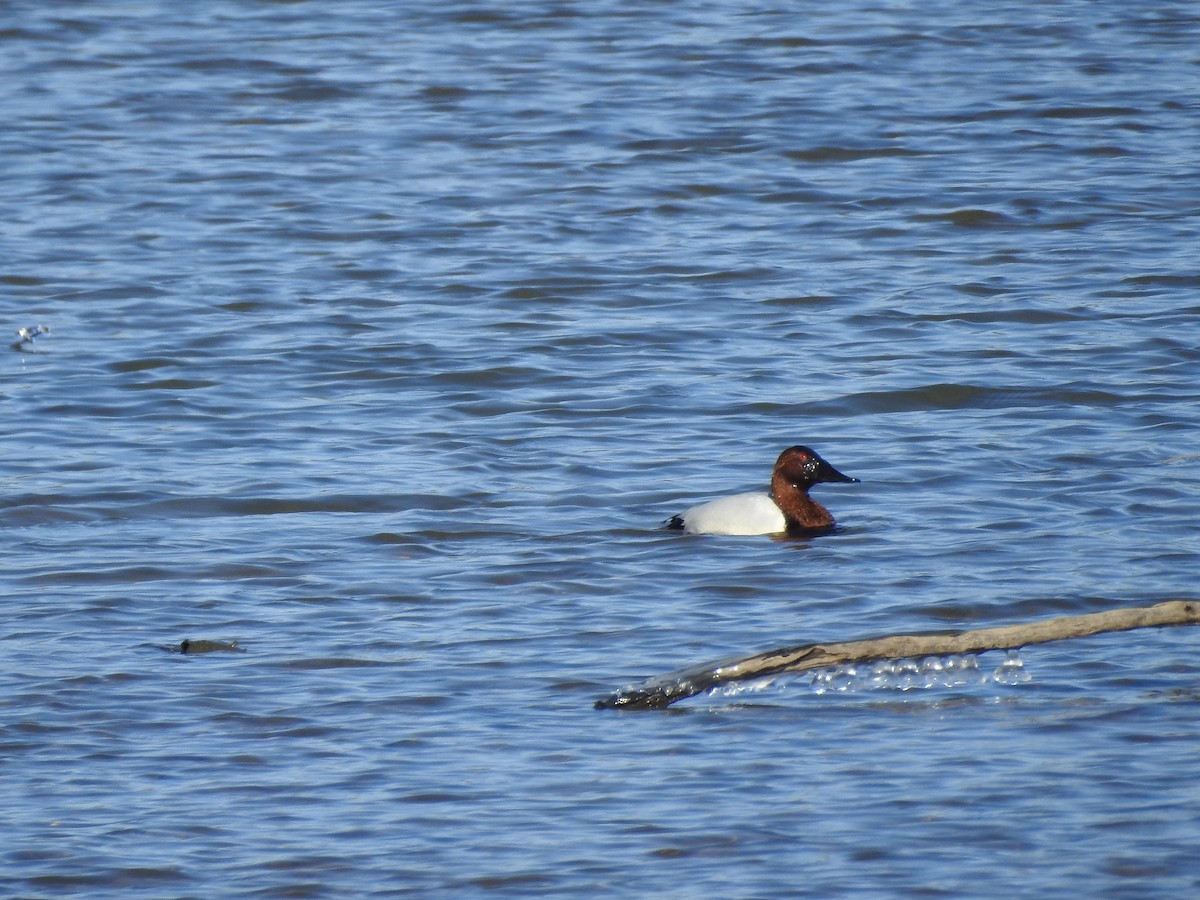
<point>918,674</point>
<point>27,335</point>
<point>924,673</point>
<point>1012,670</point>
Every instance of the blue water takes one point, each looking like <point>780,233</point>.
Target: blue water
<point>382,341</point>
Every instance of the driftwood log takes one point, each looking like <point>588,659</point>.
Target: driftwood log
<point>664,690</point>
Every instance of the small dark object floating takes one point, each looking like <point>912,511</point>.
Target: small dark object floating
<point>188,646</point>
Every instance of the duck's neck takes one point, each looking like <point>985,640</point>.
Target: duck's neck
<point>804,515</point>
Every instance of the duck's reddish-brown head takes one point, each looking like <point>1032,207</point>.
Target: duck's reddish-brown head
<point>804,467</point>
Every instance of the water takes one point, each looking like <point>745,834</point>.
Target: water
<point>382,340</point>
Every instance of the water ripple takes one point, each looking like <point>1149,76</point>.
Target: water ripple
<point>382,340</point>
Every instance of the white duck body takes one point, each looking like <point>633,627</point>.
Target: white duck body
<point>752,513</point>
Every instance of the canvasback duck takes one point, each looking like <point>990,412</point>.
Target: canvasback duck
<point>787,509</point>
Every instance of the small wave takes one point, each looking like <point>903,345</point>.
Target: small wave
<point>828,154</point>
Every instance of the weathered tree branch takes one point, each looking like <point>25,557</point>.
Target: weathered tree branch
<point>662,691</point>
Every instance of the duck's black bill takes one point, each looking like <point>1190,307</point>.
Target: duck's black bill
<point>829,473</point>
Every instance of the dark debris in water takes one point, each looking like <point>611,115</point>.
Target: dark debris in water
<point>190,647</point>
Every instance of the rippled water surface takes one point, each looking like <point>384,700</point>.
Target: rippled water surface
<point>383,339</point>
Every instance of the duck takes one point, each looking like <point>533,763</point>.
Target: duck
<point>787,509</point>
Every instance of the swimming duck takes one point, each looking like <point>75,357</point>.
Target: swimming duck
<point>787,509</point>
